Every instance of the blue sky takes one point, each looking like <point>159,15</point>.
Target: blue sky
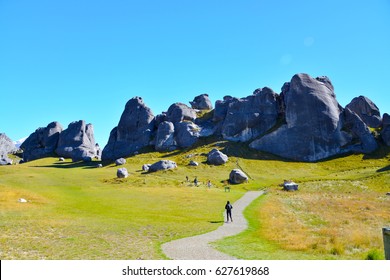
<point>70,60</point>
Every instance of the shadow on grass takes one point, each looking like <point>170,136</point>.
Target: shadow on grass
<point>216,222</point>
<point>66,165</point>
<point>384,169</point>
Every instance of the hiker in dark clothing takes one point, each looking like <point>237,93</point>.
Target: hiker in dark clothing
<point>196,181</point>
<point>228,208</point>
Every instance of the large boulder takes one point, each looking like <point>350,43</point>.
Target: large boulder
<point>366,110</point>
<point>179,112</point>
<point>221,108</point>
<point>216,157</point>
<point>77,142</point>
<point>237,176</point>
<point>187,133</point>
<point>202,102</point>
<point>120,161</point>
<point>162,165</point>
<point>42,143</point>
<point>6,146</point>
<point>250,117</point>
<point>386,129</point>
<point>312,131</point>
<point>134,131</point>
<point>122,173</point>
<point>165,137</point>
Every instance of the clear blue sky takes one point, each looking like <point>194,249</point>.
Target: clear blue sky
<point>70,60</point>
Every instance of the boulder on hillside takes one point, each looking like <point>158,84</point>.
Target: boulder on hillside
<point>146,167</point>
<point>162,165</point>
<point>6,147</point>
<point>42,143</point>
<point>186,134</point>
<point>216,157</point>
<point>134,131</point>
<point>237,176</point>
<point>312,131</point>
<point>165,137</point>
<point>122,173</point>
<point>366,110</point>
<point>202,102</point>
<point>179,112</point>
<point>386,129</point>
<point>77,142</point>
<point>250,117</point>
<point>221,108</point>
<point>193,163</point>
<point>120,161</point>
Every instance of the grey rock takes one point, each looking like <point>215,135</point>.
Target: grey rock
<point>77,142</point>
<point>364,141</point>
<point>162,165</point>
<point>179,112</point>
<point>187,133</point>
<point>134,131</point>
<point>313,128</point>
<point>237,176</point>
<point>6,147</point>
<point>120,161</point>
<point>146,167</point>
<point>193,163</point>
<point>61,159</point>
<point>202,102</point>
<point>5,160</point>
<point>122,173</point>
<point>42,143</point>
<point>99,165</point>
<point>216,157</point>
<point>221,108</point>
<point>386,129</point>
<point>250,117</point>
<point>366,110</point>
<point>165,140</point>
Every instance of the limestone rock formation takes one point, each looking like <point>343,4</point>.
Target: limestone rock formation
<point>162,165</point>
<point>187,133</point>
<point>202,102</point>
<point>250,117</point>
<point>77,142</point>
<point>42,143</point>
<point>386,129</point>
<point>146,167</point>
<point>120,161</point>
<point>165,137</point>
<point>122,173</point>
<point>366,110</point>
<point>216,157</point>
<point>237,176</point>
<point>6,147</point>
<point>179,112</point>
<point>134,131</point>
<point>312,130</point>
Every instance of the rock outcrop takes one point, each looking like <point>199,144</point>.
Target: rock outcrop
<point>237,176</point>
<point>42,143</point>
<point>313,129</point>
<point>162,165</point>
<point>386,129</point>
<point>77,142</point>
<point>366,110</point>
<point>6,147</point>
<point>216,157</point>
<point>187,133</point>
<point>202,102</point>
<point>165,137</point>
<point>134,131</point>
<point>179,112</point>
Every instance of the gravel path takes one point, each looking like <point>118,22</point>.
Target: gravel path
<point>198,247</point>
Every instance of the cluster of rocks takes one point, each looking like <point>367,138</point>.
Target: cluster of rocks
<point>304,123</point>
<point>76,142</point>
<point>7,147</point>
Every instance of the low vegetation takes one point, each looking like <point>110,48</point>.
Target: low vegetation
<point>78,211</point>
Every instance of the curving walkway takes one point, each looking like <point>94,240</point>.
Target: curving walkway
<point>198,247</point>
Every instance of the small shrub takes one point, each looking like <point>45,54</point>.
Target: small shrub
<point>374,254</point>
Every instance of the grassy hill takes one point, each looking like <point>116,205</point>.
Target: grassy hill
<point>78,211</point>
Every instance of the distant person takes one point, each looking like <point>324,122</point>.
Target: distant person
<point>228,208</point>
<point>187,178</point>
<point>196,181</point>
<point>209,184</point>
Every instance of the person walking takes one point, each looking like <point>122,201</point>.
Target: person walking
<point>228,208</point>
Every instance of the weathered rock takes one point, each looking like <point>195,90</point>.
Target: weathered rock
<point>134,131</point>
<point>42,143</point>
<point>364,141</point>
<point>122,173</point>
<point>146,167</point>
<point>165,137</point>
<point>250,117</point>
<point>120,161</point>
<point>162,165</point>
<point>179,112</point>
<point>187,133</point>
<point>237,176</point>
<point>99,165</point>
<point>193,163</point>
<point>77,142</point>
<point>386,129</point>
<point>6,147</point>
<point>61,159</point>
<point>312,131</point>
<point>221,108</point>
<point>202,102</point>
<point>216,157</point>
<point>366,110</point>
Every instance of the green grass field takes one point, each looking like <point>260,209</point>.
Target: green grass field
<point>77,211</point>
